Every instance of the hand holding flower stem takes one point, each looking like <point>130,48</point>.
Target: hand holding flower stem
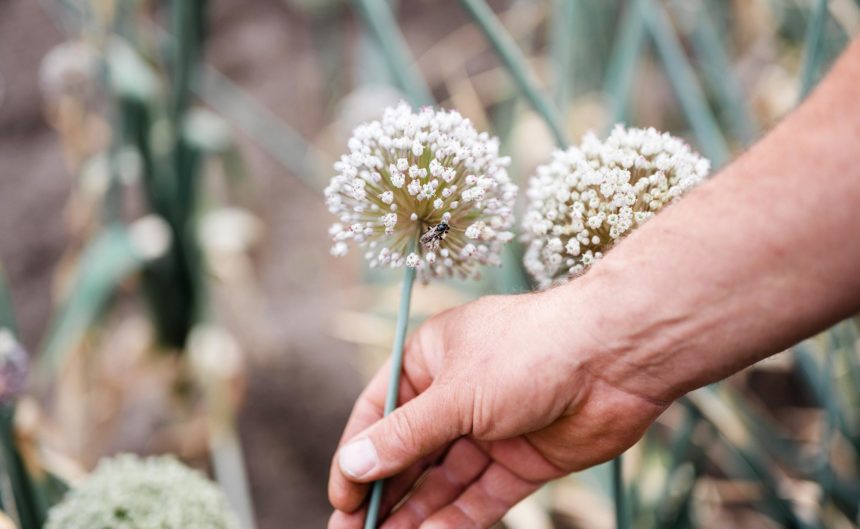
<point>426,191</point>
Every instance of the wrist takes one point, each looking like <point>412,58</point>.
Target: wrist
<point>624,334</point>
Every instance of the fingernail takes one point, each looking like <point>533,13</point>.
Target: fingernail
<point>358,458</point>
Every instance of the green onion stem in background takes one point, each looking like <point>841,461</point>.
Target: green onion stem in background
<point>623,63</point>
<point>20,494</point>
<point>7,316</point>
<point>812,47</point>
<point>393,382</point>
<point>564,13</point>
<point>383,26</point>
<point>715,64</point>
<point>513,59</point>
<point>685,83</point>
<point>622,512</point>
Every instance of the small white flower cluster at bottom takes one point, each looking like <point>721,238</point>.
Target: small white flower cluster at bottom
<point>153,493</point>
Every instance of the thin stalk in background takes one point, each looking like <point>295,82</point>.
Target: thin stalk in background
<point>225,446</point>
<point>511,277</point>
<point>380,20</point>
<point>516,64</point>
<point>831,419</point>
<point>623,63</point>
<point>8,498</point>
<point>683,79</point>
<point>7,315</point>
<point>813,47</point>
<point>672,506</point>
<point>278,139</point>
<point>718,72</point>
<point>370,521</point>
<point>188,21</point>
<point>26,492</point>
<point>564,13</point>
<point>622,511</point>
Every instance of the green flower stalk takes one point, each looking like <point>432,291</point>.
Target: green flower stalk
<point>425,191</point>
<point>127,492</point>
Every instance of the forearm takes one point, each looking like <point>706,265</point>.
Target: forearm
<point>755,260</point>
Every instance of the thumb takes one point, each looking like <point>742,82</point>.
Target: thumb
<point>418,428</point>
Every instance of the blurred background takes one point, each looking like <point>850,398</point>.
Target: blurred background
<point>164,244</point>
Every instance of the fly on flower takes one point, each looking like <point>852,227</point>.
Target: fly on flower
<point>434,235</point>
<point>425,190</point>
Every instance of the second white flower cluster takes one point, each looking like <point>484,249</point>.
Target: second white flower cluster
<point>588,197</point>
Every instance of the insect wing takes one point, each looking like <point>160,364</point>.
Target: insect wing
<point>428,236</point>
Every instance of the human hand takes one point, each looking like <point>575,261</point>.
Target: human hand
<point>497,397</point>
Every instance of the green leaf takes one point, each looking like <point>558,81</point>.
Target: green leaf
<point>110,258</point>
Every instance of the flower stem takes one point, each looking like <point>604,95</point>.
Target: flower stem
<point>622,515</point>
<point>393,383</point>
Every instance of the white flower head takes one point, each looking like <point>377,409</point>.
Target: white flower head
<point>588,197</point>
<point>127,491</point>
<point>418,185</point>
<point>13,366</point>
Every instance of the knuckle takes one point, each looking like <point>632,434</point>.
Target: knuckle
<point>455,397</point>
<point>402,434</point>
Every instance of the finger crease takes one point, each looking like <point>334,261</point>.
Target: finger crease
<point>450,478</point>
<point>482,485</point>
<point>458,506</point>
<point>417,509</point>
